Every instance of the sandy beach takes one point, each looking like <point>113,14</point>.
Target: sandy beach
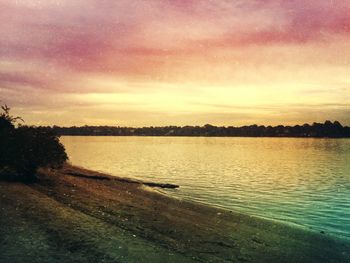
<point>76,215</point>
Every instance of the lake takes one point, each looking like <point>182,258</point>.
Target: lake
<point>301,181</point>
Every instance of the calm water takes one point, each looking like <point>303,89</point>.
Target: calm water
<point>302,181</point>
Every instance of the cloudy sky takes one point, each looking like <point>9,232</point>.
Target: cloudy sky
<point>161,62</point>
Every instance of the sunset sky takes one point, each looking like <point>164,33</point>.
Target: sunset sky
<point>179,62</point>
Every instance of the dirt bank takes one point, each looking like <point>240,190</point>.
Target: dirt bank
<point>68,218</point>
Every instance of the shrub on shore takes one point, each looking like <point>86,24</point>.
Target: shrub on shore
<point>24,149</point>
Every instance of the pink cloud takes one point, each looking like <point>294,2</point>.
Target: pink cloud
<point>151,38</point>
<point>81,34</point>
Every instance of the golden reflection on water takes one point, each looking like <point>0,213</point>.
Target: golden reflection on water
<point>303,181</point>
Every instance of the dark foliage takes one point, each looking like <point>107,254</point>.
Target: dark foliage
<point>25,149</point>
<point>327,129</point>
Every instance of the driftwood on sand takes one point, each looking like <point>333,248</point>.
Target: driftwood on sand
<point>126,180</point>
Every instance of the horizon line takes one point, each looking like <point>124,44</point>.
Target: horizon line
<point>201,126</point>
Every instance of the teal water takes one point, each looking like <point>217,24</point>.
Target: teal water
<point>302,181</point>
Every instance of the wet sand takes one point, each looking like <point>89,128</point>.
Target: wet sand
<point>72,215</point>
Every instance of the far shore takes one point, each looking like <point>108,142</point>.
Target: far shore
<point>78,215</point>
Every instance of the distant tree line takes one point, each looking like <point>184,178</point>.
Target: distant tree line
<point>328,129</point>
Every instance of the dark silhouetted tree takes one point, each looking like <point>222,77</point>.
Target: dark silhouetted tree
<point>24,149</point>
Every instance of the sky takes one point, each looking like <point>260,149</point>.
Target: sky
<point>175,62</point>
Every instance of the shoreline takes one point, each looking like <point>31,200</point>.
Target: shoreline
<point>342,238</point>
<point>82,219</point>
